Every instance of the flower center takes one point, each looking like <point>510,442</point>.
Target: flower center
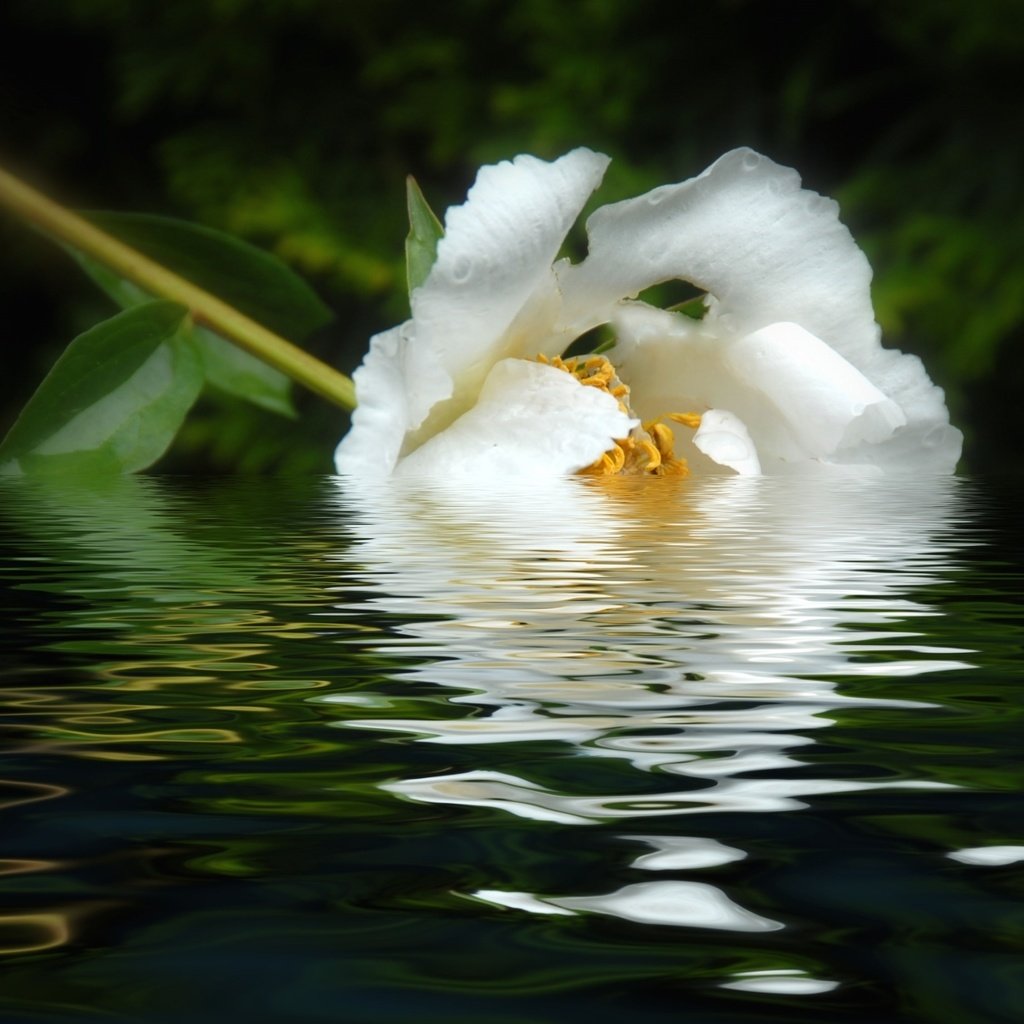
<point>648,450</point>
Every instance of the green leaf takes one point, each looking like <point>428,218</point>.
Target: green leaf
<point>227,366</point>
<point>694,308</point>
<point>425,231</point>
<point>125,293</point>
<point>114,399</point>
<point>253,281</point>
<point>235,371</point>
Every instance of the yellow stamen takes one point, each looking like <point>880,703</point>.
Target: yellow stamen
<point>649,450</point>
<point>687,419</point>
<point>653,456</point>
<point>662,437</point>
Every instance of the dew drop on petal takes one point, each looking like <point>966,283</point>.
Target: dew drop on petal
<point>461,269</point>
<point>751,161</point>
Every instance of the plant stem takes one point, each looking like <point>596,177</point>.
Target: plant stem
<point>227,321</point>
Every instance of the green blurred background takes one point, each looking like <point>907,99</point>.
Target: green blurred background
<point>294,122</point>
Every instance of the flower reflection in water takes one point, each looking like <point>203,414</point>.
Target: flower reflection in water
<point>704,632</point>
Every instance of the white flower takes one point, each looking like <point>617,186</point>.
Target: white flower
<point>786,370</point>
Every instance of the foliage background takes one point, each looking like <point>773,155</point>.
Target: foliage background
<point>294,122</point>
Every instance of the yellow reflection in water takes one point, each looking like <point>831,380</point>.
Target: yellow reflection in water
<point>156,736</point>
<point>28,792</point>
<point>10,866</point>
<point>31,933</point>
<point>80,742</point>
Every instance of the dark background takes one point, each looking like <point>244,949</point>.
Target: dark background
<point>294,122</point>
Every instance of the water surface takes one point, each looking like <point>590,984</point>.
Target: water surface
<point>717,751</point>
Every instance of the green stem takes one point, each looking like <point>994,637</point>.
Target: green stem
<point>227,321</point>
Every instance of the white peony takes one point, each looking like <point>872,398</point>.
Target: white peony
<point>786,369</point>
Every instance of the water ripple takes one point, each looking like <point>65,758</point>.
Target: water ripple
<point>700,632</point>
<point>727,736</point>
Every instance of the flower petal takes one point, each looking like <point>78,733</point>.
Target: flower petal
<point>495,256</point>
<point>827,403</point>
<point>529,419</point>
<point>798,398</point>
<point>394,385</point>
<point>928,443</point>
<point>724,438</point>
<point>767,252</point>
<point>674,364</point>
<point>746,232</point>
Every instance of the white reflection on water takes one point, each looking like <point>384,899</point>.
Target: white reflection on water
<point>684,853</point>
<point>782,982</point>
<point>683,904</point>
<point>704,632</point>
<point>989,856</point>
<point>694,630</point>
